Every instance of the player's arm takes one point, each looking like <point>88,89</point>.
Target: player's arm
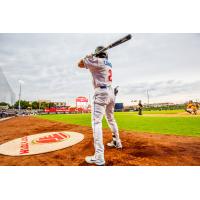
<point>92,62</point>
<point>81,64</point>
<point>86,62</point>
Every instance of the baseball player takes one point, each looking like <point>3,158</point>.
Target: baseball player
<point>140,107</point>
<point>192,107</point>
<point>103,103</point>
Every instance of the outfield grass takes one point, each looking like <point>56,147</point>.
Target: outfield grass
<point>187,126</point>
<point>152,112</point>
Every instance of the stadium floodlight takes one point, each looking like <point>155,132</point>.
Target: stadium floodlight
<point>148,96</point>
<point>21,82</point>
<point>20,92</point>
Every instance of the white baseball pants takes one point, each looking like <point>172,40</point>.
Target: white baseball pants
<point>103,104</point>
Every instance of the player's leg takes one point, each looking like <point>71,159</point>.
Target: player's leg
<point>189,110</point>
<point>195,111</point>
<point>116,142</point>
<point>97,116</point>
<point>139,111</point>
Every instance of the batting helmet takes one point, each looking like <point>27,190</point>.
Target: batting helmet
<point>102,54</point>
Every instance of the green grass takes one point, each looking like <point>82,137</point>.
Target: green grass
<point>162,112</point>
<point>186,126</point>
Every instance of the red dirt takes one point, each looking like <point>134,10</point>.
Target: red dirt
<point>140,149</point>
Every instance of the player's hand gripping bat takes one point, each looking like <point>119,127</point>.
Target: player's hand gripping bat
<point>114,44</point>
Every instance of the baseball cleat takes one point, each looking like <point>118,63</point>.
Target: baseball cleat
<point>116,144</point>
<point>93,160</point>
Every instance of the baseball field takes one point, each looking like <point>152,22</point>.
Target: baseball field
<point>174,122</point>
<point>158,138</point>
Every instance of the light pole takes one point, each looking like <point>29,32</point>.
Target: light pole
<point>20,92</point>
<point>89,100</point>
<point>148,97</point>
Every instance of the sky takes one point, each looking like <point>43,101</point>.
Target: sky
<point>167,65</point>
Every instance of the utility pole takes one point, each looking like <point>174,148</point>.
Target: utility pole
<point>20,92</point>
<point>89,100</point>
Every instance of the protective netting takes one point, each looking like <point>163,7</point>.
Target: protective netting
<point>6,93</point>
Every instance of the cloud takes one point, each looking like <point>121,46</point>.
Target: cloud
<point>166,91</point>
<point>47,63</point>
<point>163,88</point>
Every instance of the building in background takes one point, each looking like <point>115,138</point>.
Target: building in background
<point>6,93</point>
<point>60,104</point>
<point>43,101</point>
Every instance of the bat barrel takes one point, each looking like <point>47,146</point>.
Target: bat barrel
<point>118,42</point>
<point>129,36</point>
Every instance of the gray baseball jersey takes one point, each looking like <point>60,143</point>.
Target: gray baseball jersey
<point>101,70</point>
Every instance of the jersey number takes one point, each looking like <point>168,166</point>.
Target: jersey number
<point>110,75</point>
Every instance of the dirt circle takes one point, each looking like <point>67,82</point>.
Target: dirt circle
<point>40,143</point>
<point>140,149</point>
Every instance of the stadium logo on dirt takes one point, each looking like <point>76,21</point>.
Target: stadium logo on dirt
<point>56,137</point>
<point>40,143</point>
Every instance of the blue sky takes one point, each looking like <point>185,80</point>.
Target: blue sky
<point>168,65</point>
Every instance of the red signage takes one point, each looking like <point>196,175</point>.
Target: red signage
<point>24,147</point>
<point>81,99</point>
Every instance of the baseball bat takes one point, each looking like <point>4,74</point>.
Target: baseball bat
<point>114,44</point>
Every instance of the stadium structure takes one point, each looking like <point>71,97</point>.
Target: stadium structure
<point>6,93</point>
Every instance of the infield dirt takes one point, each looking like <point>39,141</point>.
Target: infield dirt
<point>140,149</point>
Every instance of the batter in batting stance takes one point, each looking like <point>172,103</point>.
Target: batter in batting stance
<point>103,103</point>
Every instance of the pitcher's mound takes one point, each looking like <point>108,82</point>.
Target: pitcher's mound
<point>40,143</point>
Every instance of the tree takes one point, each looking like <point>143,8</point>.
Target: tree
<point>35,105</point>
<point>24,104</point>
<point>44,105</point>
<point>4,104</point>
<point>51,105</point>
